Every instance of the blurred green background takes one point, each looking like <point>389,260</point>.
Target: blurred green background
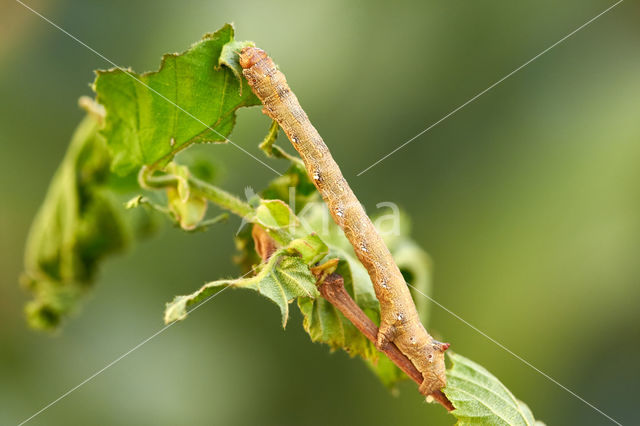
<point>527,199</point>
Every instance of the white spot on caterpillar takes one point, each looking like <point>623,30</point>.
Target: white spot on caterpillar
<point>339,212</point>
<point>430,399</point>
<point>400,317</point>
<point>363,247</point>
<point>384,284</point>
<point>294,139</point>
<point>316,176</point>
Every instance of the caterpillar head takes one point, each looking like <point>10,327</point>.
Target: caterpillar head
<point>249,56</point>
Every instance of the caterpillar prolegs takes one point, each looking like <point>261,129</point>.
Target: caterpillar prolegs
<point>400,323</point>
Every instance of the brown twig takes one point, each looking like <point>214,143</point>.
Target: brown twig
<point>332,289</point>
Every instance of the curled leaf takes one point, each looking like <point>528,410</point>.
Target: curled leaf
<point>229,57</point>
<point>187,208</point>
<point>76,227</point>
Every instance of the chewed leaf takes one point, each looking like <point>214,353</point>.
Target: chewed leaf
<point>480,398</point>
<point>229,57</point>
<point>283,278</point>
<point>190,99</point>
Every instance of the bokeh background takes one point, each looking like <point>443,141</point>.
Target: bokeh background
<point>527,200</point>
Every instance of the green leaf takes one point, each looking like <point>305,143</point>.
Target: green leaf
<point>283,278</point>
<point>188,211</point>
<point>311,248</point>
<point>78,224</point>
<point>274,214</point>
<point>143,124</point>
<point>187,208</point>
<point>480,398</point>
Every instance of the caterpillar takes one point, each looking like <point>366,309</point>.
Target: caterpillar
<point>399,321</point>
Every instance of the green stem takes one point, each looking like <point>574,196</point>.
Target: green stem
<point>221,197</point>
<point>218,196</point>
<point>211,192</point>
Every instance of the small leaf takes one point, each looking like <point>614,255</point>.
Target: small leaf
<point>323,322</point>
<point>311,248</point>
<point>188,213</point>
<point>187,208</point>
<point>480,398</point>
<point>275,214</point>
<point>146,122</point>
<point>283,278</point>
<point>135,202</point>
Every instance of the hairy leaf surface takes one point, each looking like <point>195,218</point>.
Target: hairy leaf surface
<point>481,399</point>
<point>282,279</point>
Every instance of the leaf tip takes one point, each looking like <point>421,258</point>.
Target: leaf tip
<point>176,310</point>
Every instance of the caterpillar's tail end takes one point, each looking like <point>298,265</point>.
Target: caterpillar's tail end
<point>249,56</point>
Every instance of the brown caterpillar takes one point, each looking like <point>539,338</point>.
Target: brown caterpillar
<point>400,323</point>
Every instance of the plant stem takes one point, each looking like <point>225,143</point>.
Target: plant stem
<point>399,323</point>
<point>216,195</point>
<point>332,289</point>
<point>211,192</point>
